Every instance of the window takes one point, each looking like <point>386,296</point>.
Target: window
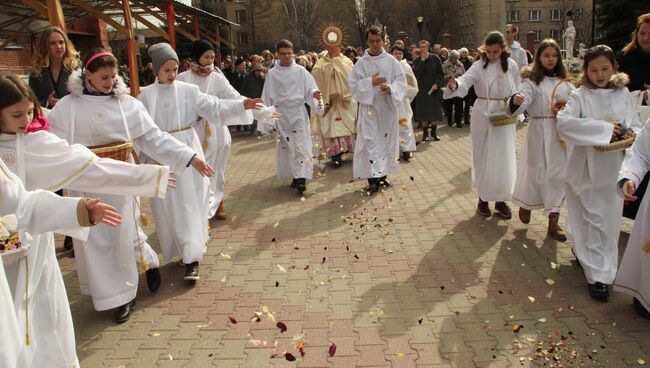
<point>556,34</point>
<point>535,15</point>
<point>513,16</point>
<point>240,16</point>
<point>242,38</point>
<point>556,14</point>
<point>538,35</point>
<point>578,13</point>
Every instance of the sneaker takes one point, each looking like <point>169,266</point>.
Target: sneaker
<point>599,291</point>
<point>483,209</point>
<point>503,210</point>
<point>192,271</point>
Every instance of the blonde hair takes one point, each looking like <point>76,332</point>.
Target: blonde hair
<point>41,57</point>
<point>644,18</point>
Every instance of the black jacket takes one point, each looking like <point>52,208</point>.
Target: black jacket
<point>45,84</point>
<point>636,64</point>
<point>252,86</point>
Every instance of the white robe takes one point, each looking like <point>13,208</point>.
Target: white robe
<point>494,167</point>
<point>105,263</point>
<point>214,135</point>
<point>37,212</point>
<point>405,112</point>
<point>518,54</point>
<point>633,276</point>
<point>182,217</point>
<point>593,205</point>
<point>376,151</point>
<point>542,162</point>
<point>289,88</point>
<point>48,162</point>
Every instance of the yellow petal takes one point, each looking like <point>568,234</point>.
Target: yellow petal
<point>532,299</point>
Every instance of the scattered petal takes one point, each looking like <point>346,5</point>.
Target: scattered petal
<point>226,256</point>
<point>170,357</point>
<point>282,327</point>
<point>289,357</point>
<point>553,265</point>
<point>542,320</point>
<point>550,281</point>
<point>646,247</point>
<point>223,280</point>
<point>640,361</point>
<point>400,355</point>
<point>332,350</point>
<point>277,284</point>
<point>420,321</point>
<point>232,320</point>
<point>532,299</point>
<point>282,269</point>
<point>516,328</point>
<point>306,267</point>
<point>276,225</point>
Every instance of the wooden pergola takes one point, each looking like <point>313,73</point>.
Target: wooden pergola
<point>20,16</point>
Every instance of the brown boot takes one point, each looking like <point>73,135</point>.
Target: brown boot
<point>524,215</point>
<point>555,231</point>
<point>221,212</point>
<point>483,208</point>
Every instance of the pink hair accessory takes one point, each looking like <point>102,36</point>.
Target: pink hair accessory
<point>97,55</point>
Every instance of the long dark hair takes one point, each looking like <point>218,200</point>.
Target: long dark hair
<point>537,72</point>
<point>13,90</point>
<point>496,38</point>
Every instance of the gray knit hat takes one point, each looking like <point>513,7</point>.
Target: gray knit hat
<point>160,53</point>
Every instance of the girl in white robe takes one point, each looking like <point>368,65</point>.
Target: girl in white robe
<point>633,276</point>
<point>376,151</point>
<point>97,112</point>
<point>404,110</point>
<point>44,161</point>
<point>182,217</point>
<point>601,108</point>
<point>214,135</point>
<point>37,212</point>
<point>289,88</point>
<point>494,78</point>
<point>542,164</point>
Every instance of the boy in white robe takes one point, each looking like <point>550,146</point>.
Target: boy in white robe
<point>289,87</point>
<point>404,111</point>
<point>596,113</point>
<point>633,277</point>
<point>378,84</point>
<point>495,77</point>
<point>98,112</point>
<point>517,53</point>
<point>37,212</point>
<point>182,217</point>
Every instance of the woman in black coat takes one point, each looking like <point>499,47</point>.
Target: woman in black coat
<point>55,58</point>
<point>428,102</point>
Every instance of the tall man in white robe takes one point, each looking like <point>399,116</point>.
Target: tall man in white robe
<point>289,87</point>
<point>404,111</point>
<point>517,53</point>
<point>378,84</point>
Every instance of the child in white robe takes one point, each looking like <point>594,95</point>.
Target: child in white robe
<point>404,110</point>
<point>633,276</point>
<point>495,77</point>
<point>97,112</point>
<point>542,164</point>
<point>37,212</point>
<point>598,112</point>
<point>182,217</point>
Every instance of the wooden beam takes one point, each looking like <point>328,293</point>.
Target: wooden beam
<point>171,23</point>
<point>37,6</point>
<point>197,31</point>
<point>217,43</point>
<point>132,50</point>
<point>90,9</point>
<point>22,29</point>
<point>55,14</point>
<point>151,26</point>
<point>185,33</point>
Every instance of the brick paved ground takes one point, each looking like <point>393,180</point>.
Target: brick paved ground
<point>411,277</point>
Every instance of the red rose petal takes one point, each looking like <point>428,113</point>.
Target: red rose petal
<point>332,350</point>
<point>289,357</point>
<point>282,327</point>
<point>233,320</point>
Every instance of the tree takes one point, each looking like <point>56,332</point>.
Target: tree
<point>360,18</point>
<point>435,16</point>
<point>616,20</point>
<point>302,16</point>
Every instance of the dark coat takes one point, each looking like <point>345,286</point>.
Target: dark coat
<point>636,64</point>
<point>428,107</point>
<point>237,80</point>
<point>45,84</point>
<point>252,86</point>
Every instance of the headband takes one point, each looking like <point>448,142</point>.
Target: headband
<point>97,55</point>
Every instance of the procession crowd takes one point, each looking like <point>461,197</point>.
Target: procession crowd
<point>74,126</point>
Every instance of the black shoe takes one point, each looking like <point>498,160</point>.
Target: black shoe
<point>425,134</point>
<point>406,156</point>
<point>153,279</point>
<point>383,181</point>
<point>459,125</point>
<point>124,312</point>
<point>435,137</point>
<point>301,185</point>
<point>599,291</point>
<point>373,186</point>
<point>67,243</point>
<point>191,271</point>
<point>337,161</point>
<point>640,309</point>
<point>293,183</point>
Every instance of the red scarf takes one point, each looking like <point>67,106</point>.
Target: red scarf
<point>39,123</point>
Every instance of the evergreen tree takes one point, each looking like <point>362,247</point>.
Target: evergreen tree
<point>616,20</point>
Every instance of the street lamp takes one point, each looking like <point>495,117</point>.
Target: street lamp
<point>419,24</point>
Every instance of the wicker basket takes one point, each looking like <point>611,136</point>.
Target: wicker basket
<point>556,105</point>
<point>617,146</point>
<point>120,151</point>
<point>500,118</point>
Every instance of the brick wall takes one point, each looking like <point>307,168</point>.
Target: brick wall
<point>16,61</point>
